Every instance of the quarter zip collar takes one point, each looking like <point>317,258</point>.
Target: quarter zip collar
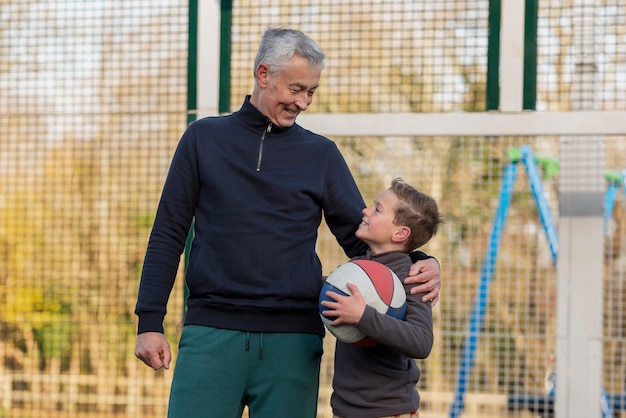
<point>252,117</point>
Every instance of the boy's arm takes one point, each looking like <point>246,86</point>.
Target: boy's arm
<point>413,337</point>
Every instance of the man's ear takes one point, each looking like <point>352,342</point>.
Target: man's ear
<point>402,234</point>
<point>262,74</point>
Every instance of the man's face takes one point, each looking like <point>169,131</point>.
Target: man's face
<point>283,95</point>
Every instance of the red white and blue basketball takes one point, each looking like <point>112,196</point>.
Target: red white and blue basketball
<point>380,288</point>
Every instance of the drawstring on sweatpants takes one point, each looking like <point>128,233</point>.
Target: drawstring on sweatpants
<point>260,343</point>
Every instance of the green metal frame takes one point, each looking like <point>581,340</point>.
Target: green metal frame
<point>192,80</point>
<point>192,105</point>
<point>226,20</point>
<point>530,55</point>
<point>493,56</point>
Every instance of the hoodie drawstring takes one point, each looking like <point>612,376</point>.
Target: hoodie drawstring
<point>260,343</point>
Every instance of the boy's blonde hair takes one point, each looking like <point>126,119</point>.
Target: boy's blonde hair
<point>416,210</point>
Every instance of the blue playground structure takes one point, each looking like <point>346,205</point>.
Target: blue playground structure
<point>541,404</point>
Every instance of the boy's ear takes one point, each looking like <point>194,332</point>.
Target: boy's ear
<point>402,234</point>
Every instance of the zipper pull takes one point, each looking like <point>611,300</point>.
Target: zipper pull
<point>269,128</point>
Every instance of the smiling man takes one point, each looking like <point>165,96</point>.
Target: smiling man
<point>256,185</point>
<point>282,93</point>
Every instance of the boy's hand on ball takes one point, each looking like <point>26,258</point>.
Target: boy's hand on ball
<point>348,310</point>
<point>350,290</point>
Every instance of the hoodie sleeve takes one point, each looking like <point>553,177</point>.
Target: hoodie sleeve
<point>342,203</point>
<point>169,233</point>
<point>412,337</point>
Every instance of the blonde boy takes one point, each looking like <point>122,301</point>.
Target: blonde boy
<point>379,381</point>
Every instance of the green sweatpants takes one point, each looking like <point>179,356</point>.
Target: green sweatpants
<point>220,371</point>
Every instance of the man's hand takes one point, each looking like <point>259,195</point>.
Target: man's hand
<point>427,275</point>
<point>153,349</point>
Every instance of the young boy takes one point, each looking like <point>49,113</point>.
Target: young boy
<point>379,381</point>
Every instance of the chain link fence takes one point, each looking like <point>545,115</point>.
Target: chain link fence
<point>93,99</point>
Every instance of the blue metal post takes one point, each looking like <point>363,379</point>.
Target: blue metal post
<point>607,412</point>
<point>614,179</point>
<point>480,302</point>
<point>609,202</point>
<point>540,199</point>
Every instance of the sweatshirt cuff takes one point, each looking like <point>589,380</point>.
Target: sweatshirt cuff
<point>150,322</point>
<point>418,255</point>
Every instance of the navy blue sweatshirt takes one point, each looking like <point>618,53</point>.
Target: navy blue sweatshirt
<point>256,194</point>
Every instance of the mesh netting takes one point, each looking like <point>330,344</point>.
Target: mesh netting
<point>93,101</point>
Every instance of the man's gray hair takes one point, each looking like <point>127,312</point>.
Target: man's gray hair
<point>279,45</point>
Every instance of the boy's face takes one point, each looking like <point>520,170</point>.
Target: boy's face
<point>377,228</point>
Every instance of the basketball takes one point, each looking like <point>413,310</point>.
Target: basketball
<point>380,288</point>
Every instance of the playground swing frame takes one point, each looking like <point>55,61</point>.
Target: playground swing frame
<point>537,403</point>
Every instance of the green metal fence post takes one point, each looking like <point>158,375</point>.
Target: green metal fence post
<point>530,55</point>
<point>226,20</point>
<point>493,56</point>
<point>192,102</point>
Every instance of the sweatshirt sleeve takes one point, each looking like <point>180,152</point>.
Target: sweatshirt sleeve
<point>169,233</point>
<point>342,204</point>
<point>412,336</point>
